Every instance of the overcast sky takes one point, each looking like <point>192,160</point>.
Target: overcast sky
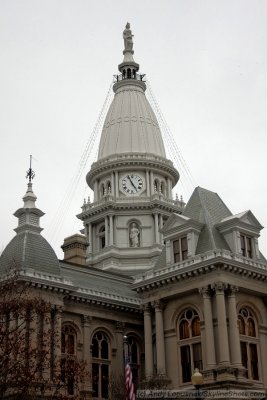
<point>206,61</point>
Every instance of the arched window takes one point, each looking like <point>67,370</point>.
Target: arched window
<point>102,237</point>
<point>68,357</point>
<point>189,343</point>
<point>108,187</point>
<point>156,186</point>
<point>249,342</point>
<point>100,365</point>
<point>131,355</point>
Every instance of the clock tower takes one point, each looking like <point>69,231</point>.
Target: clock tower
<point>132,179</point>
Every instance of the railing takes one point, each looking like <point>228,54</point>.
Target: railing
<point>135,76</point>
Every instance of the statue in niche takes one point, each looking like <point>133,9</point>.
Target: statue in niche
<point>134,236</point>
<point>128,38</point>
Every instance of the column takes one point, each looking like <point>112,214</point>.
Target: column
<point>119,329</point>
<point>148,341</point>
<point>106,231</point>
<point>96,190</point>
<point>156,224</point>
<point>169,185</point>
<point>47,336</point>
<point>161,226</point>
<point>57,340</point>
<point>113,184</point>
<point>34,341</point>
<point>234,339</point>
<point>90,238</point>
<point>224,358</point>
<point>87,356</point>
<point>151,183</point>
<point>111,230</point>
<point>116,184</point>
<point>160,344</point>
<point>147,184</point>
<point>209,332</point>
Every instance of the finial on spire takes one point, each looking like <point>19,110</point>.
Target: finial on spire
<point>30,173</point>
<point>128,39</point>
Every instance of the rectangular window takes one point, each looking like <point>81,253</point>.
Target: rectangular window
<point>186,363</point>
<point>197,356</point>
<point>246,246</point>
<point>180,249</point>
<point>253,361</point>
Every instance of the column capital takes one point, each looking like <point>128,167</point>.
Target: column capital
<point>159,305</point>
<point>219,287</point>
<point>86,320</point>
<point>146,308</point>
<point>205,291</point>
<point>233,289</point>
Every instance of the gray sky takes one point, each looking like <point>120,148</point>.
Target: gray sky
<point>206,61</point>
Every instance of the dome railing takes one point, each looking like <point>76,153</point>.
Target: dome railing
<point>129,75</point>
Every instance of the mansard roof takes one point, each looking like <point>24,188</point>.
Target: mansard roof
<point>207,208</point>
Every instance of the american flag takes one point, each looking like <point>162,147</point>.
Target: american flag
<point>129,383</point>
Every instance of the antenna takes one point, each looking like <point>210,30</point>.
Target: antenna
<point>30,173</point>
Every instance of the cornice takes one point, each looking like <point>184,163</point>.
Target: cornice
<point>119,162</point>
<point>111,204</point>
<point>199,266</point>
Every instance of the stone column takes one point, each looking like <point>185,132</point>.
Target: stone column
<point>223,344</point>
<point>169,186</point>
<point>106,231</point>
<point>87,356</point>
<point>113,184</point>
<point>147,184</point>
<point>120,327</point>
<point>90,238</point>
<point>161,226</point>
<point>151,183</point>
<point>47,336</point>
<point>156,224</point>
<point>57,339</point>
<point>160,344</point>
<point>148,341</point>
<point>116,184</point>
<point>209,332</point>
<point>111,240</point>
<point>96,190</point>
<point>234,339</point>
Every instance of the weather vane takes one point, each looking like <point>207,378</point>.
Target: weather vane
<point>30,173</point>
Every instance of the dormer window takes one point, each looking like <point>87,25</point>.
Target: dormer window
<point>180,249</point>
<point>246,246</point>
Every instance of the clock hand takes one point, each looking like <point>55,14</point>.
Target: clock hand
<point>132,182</point>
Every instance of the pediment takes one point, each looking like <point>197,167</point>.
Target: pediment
<point>177,221</point>
<point>243,218</point>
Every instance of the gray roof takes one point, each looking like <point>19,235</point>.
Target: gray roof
<point>208,208</point>
<point>29,249</point>
<point>99,282</point>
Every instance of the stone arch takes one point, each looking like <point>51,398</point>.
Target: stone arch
<point>253,308</point>
<point>177,313</point>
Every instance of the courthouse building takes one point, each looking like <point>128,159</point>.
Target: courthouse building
<point>176,286</point>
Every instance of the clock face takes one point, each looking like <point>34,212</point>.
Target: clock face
<point>132,183</point>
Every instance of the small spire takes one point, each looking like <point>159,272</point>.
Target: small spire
<point>30,173</point>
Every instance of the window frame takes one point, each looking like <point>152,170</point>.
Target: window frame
<point>182,252</point>
<point>101,363</point>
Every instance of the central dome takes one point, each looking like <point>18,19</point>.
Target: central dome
<point>130,125</point>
